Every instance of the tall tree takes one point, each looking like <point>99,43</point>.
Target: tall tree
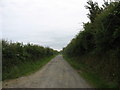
<point>94,9</point>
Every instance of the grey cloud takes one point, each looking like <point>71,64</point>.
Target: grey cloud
<point>50,23</point>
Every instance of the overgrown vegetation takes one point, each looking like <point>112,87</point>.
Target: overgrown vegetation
<point>93,78</point>
<point>98,45</point>
<point>19,59</point>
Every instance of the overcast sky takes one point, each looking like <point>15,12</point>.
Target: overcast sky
<point>50,23</point>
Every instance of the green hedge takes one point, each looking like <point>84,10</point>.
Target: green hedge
<point>98,45</point>
<point>15,54</point>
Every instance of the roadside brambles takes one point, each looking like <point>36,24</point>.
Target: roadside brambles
<point>89,74</point>
<point>98,45</point>
<point>18,59</point>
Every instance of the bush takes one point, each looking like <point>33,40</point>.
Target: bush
<point>15,54</point>
<point>98,45</point>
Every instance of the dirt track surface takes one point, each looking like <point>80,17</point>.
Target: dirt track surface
<point>56,74</point>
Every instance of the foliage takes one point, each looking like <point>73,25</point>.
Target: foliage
<point>94,10</point>
<point>15,54</point>
<point>99,44</point>
<point>93,78</point>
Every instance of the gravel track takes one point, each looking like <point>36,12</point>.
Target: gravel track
<point>56,74</point>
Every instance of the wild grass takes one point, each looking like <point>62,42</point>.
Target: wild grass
<point>91,77</point>
<point>25,68</point>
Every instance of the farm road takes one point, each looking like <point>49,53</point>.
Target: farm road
<point>56,74</point>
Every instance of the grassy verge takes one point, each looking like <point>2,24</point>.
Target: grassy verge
<point>92,78</point>
<point>26,68</point>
